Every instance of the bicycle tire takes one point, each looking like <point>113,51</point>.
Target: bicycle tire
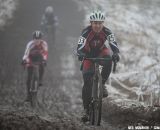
<point>34,88</point>
<point>95,108</point>
<point>93,100</point>
<point>98,103</point>
<point>98,123</point>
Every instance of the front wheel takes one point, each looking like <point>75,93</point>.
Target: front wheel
<point>95,113</point>
<point>95,109</point>
<point>98,112</point>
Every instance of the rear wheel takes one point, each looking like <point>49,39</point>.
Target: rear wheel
<point>34,89</point>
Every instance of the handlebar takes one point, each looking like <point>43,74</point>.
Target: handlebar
<point>100,59</point>
<point>104,59</point>
<point>33,64</point>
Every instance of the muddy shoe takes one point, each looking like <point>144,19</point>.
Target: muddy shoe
<point>85,116</point>
<point>105,92</point>
<point>40,84</point>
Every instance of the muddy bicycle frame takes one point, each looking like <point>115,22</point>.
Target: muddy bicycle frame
<point>95,106</point>
<point>34,84</point>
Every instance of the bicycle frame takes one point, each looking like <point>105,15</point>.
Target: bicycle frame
<point>97,76</point>
<point>95,107</point>
<point>97,95</point>
<point>35,78</point>
<point>34,84</point>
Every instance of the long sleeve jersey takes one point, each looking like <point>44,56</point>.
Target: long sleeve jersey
<point>91,42</point>
<point>39,45</point>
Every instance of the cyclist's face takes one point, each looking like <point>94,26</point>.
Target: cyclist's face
<point>97,26</point>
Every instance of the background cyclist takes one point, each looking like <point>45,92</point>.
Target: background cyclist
<point>36,51</point>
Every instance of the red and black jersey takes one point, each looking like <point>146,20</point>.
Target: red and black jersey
<point>92,43</point>
<point>36,47</point>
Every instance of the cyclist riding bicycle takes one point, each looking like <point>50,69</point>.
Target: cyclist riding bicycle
<point>92,43</point>
<point>49,19</point>
<point>36,51</point>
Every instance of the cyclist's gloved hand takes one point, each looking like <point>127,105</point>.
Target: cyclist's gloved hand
<point>44,62</point>
<point>115,57</point>
<point>24,62</point>
<point>80,56</point>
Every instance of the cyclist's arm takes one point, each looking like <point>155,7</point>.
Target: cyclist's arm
<point>80,48</point>
<point>45,50</point>
<point>82,42</point>
<point>111,39</point>
<point>113,43</point>
<point>27,51</point>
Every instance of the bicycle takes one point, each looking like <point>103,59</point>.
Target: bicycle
<point>95,106</point>
<point>34,84</point>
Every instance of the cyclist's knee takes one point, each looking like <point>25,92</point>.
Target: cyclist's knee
<point>87,66</point>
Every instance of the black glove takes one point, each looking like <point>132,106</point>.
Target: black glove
<point>44,62</point>
<point>81,56</point>
<point>23,62</point>
<point>115,57</point>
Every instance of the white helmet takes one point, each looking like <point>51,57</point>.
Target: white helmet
<point>97,16</point>
<point>49,10</point>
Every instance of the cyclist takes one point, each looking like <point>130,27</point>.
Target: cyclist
<point>49,18</point>
<point>36,51</point>
<point>92,43</point>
